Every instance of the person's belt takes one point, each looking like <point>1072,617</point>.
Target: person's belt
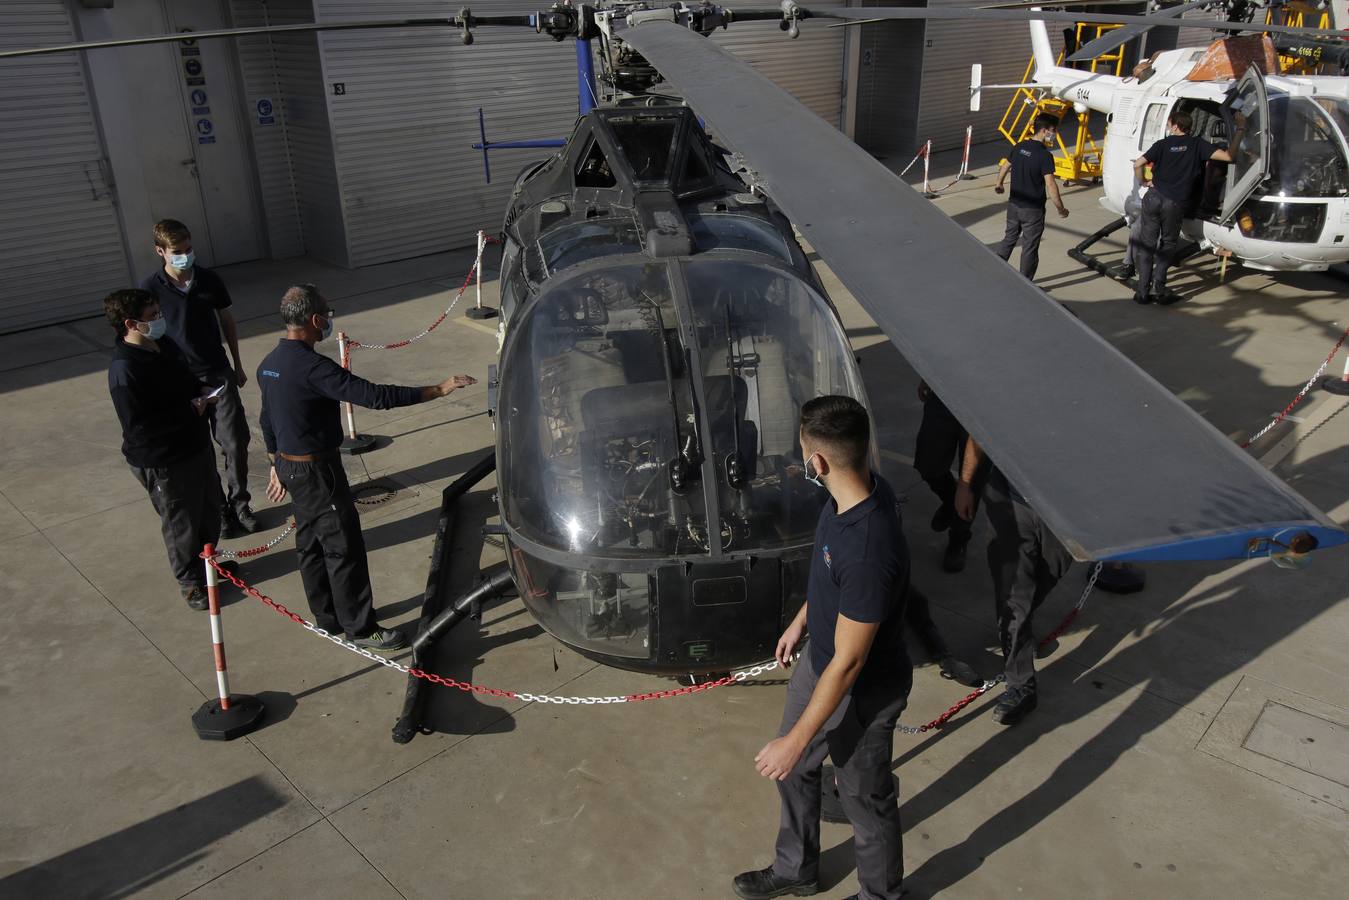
<point>306,457</point>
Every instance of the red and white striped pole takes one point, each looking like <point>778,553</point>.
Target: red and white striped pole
<point>965,158</point>
<point>927,159</point>
<point>478,311</point>
<point>229,715</point>
<point>353,443</point>
<point>1338,385</point>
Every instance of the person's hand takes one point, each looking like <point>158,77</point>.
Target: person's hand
<point>276,491</point>
<point>787,644</point>
<point>923,391</point>
<point>997,188</point>
<point>199,404</point>
<point>455,382</point>
<point>1063,212</point>
<point>964,501</point>
<point>240,379</point>
<point>778,757</point>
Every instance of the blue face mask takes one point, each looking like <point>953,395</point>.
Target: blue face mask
<point>182,261</point>
<point>155,328</point>
<point>811,475</point>
<point>326,331</point>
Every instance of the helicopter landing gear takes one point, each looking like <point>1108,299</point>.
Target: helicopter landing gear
<point>1123,272</point>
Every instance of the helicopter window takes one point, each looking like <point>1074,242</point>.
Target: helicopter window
<point>596,407</point>
<point>648,144</point>
<point>571,244</point>
<point>768,343</point>
<point>1309,158</point>
<point>718,231</point>
<point>594,170</point>
<point>1153,123</point>
<point>695,167</point>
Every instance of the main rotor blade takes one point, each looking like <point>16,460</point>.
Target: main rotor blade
<point>1116,465</point>
<point>1121,36</point>
<point>869,14</point>
<point>527,21</point>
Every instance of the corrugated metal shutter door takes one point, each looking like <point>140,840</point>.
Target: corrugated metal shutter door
<point>54,185</point>
<point>952,47</point>
<point>810,68</point>
<point>410,183</point>
<point>889,76</point>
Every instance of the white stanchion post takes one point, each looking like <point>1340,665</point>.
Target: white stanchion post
<point>353,443</point>
<point>1338,385</point>
<point>965,160</point>
<point>927,160</point>
<point>229,715</point>
<point>479,311</point>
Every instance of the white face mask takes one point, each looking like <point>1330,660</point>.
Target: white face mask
<point>182,261</point>
<point>811,474</point>
<point>154,328</point>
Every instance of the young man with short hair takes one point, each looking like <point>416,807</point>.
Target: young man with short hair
<point>1177,162</point>
<point>196,307</point>
<point>1032,167</point>
<point>853,682</point>
<point>165,438</point>
<point>302,427</point>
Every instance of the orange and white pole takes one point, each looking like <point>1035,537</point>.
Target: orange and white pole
<point>354,442</point>
<point>927,160</point>
<point>222,678</point>
<point>965,157</point>
<point>228,716</point>
<point>478,311</point>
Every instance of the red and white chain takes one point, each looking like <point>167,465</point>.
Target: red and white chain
<point>257,551</point>
<point>1311,382</point>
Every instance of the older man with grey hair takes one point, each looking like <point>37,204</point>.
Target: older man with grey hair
<point>302,428</point>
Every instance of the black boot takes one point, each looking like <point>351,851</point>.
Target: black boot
<point>953,560</point>
<point>1015,704</point>
<point>765,883</point>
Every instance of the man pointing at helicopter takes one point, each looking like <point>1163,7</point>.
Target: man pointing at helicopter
<point>853,681</point>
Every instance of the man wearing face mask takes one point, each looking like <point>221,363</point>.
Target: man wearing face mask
<point>165,438</point>
<point>1032,168</point>
<point>853,681</point>
<point>302,390</point>
<point>196,309</point>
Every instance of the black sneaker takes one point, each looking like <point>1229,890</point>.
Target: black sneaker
<point>941,519</point>
<point>1142,299</point>
<point>765,883</point>
<point>196,598</point>
<point>953,560</point>
<point>382,639</point>
<point>1125,272</point>
<point>959,671</point>
<point>229,525</point>
<point>1016,703</point>
<point>1166,298</point>
<point>244,518</point>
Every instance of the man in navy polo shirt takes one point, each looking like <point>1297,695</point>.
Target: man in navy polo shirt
<point>844,698</point>
<point>1177,162</point>
<point>1032,168</point>
<point>196,309</point>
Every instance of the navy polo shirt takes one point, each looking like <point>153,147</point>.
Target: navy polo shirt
<point>152,391</point>
<point>860,568</point>
<point>1177,163</point>
<point>301,392</point>
<point>1031,162</point>
<point>190,317</point>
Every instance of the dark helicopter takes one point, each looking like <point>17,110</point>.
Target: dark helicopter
<point>662,327</point>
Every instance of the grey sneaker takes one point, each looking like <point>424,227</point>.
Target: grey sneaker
<point>196,598</point>
<point>382,639</point>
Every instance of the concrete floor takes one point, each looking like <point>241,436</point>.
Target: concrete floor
<point>1191,740</point>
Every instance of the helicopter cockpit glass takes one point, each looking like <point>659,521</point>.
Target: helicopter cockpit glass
<point>1309,156</point>
<point>768,343</point>
<point>571,244</point>
<point>599,439</point>
<point>1248,110</point>
<point>648,144</point>
<point>712,231</point>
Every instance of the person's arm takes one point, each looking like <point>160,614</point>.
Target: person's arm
<point>231,332</point>
<point>1221,155</point>
<point>336,383</point>
<point>1002,175</point>
<point>1052,186</point>
<point>852,643</point>
<point>276,491</point>
<point>1150,157</point>
<point>969,469</point>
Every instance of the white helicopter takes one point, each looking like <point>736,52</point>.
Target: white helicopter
<point>1281,205</point>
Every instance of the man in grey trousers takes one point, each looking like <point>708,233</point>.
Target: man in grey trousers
<point>853,681</point>
<point>1032,169</point>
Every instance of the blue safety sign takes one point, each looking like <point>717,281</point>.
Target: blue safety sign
<point>192,67</point>
<point>265,110</point>
<point>198,97</point>
<point>205,126</point>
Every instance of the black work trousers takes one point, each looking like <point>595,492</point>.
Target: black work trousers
<point>918,622</point>
<point>1025,224</point>
<point>941,439</point>
<point>1159,236</point>
<point>229,427</point>
<point>859,738</point>
<point>328,539</point>
<point>1026,561</point>
<point>184,495</point>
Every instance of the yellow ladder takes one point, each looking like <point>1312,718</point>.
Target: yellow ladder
<point>1299,15</point>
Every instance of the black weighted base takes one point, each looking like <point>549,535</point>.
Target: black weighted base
<point>1121,578</point>
<point>359,444</point>
<point>831,807</point>
<point>1335,385</point>
<point>481,312</point>
<point>216,724</point>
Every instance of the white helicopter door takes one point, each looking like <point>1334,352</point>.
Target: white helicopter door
<point>1246,110</point>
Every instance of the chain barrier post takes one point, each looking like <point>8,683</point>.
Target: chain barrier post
<point>1338,385</point>
<point>230,715</point>
<point>479,311</point>
<point>965,160</point>
<point>927,160</point>
<point>353,443</point>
